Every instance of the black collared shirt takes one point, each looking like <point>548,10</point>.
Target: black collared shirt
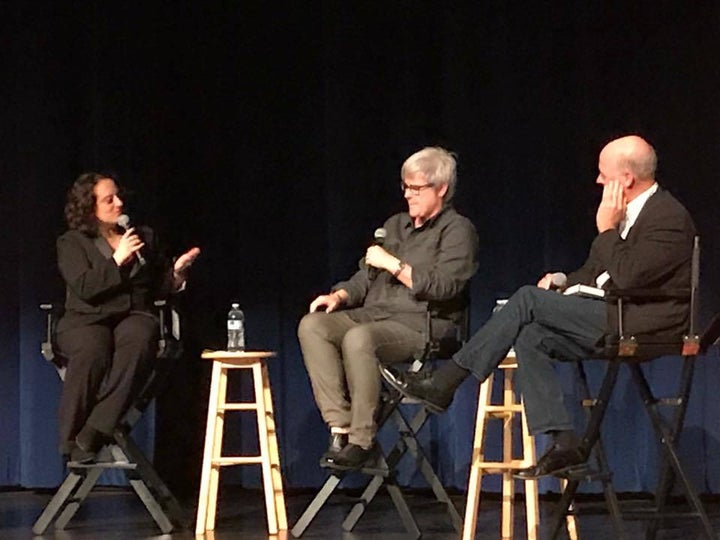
<point>443,254</point>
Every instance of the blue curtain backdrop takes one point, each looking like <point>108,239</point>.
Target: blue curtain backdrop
<point>273,139</point>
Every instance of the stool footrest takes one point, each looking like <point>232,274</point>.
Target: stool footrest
<point>250,406</point>
<point>489,467</point>
<point>237,460</point>
<point>102,465</point>
<point>516,408</point>
<point>582,473</point>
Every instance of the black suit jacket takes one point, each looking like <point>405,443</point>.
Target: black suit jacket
<point>97,289</point>
<point>657,253</point>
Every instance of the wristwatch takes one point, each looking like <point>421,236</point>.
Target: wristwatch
<point>400,266</point>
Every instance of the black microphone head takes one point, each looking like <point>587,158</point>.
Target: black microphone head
<point>123,221</point>
<point>380,235</point>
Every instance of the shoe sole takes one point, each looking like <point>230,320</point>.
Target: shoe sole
<point>570,469</point>
<point>432,407</point>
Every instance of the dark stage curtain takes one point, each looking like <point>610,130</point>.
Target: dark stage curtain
<point>272,137</point>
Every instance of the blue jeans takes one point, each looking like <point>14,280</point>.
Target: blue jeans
<point>543,327</point>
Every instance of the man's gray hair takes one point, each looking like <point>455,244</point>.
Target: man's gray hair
<point>437,164</point>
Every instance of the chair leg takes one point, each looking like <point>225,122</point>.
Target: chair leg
<point>561,510</point>
<point>666,479</point>
<point>274,452</point>
<point>213,442</point>
<point>590,439</point>
<point>405,515</point>
<point>78,497</point>
<point>359,507</point>
<point>600,458</point>
<point>141,475</point>
<point>395,494</point>
<point>265,425</point>
<point>382,476</point>
<point>667,439</point>
<point>315,505</point>
<point>151,503</point>
<point>161,495</point>
<point>56,504</point>
<point>379,473</point>
<point>532,498</point>
<point>570,521</point>
<point>508,482</point>
<point>474,484</point>
<point>408,433</point>
<point>406,442</point>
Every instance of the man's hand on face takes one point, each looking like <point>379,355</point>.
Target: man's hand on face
<point>612,206</point>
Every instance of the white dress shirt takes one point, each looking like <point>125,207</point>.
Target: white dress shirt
<point>631,214</point>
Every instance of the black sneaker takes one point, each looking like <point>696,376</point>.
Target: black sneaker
<point>556,461</point>
<point>337,442</point>
<point>79,456</point>
<point>353,457</point>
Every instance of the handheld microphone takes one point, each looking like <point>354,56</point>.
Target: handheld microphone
<point>558,280</point>
<point>124,222</point>
<point>380,235</point>
<point>379,240</point>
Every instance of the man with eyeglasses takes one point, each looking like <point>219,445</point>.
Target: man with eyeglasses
<point>645,239</point>
<point>380,313</point>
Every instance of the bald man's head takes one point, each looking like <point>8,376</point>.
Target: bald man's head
<point>634,154</point>
<point>631,161</point>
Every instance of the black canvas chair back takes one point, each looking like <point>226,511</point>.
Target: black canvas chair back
<point>123,453</point>
<point>666,414</point>
<point>49,348</point>
<point>385,473</point>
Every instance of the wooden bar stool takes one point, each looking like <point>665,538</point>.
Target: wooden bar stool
<point>269,458</point>
<point>505,411</point>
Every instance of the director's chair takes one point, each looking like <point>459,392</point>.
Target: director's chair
<point>633,351</point>
<point>385,474</point>
<point>123,453</point>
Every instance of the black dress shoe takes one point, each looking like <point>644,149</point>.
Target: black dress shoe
<point>353,457</point>
<point>419,386</point>
<point>555,461</point>
<point>79,456</point>
<point>338,441</point>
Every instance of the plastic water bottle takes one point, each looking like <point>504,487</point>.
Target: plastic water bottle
<point>236,329</point>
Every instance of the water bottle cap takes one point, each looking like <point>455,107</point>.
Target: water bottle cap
<point>235,306</point>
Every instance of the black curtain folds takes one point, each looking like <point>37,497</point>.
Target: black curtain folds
<point>273,138</point>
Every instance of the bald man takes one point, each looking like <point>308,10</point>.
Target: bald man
<point>645,239</point>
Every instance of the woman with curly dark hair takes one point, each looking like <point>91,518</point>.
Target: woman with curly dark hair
<point>109,331</point>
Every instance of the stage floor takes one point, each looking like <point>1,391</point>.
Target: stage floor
<point>116,513</point>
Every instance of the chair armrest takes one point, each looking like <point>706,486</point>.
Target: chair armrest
<point>169,345</point>
<point>48,348</point>
<point>648,294</point>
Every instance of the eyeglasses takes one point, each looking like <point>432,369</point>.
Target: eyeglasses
<point>414,190</point>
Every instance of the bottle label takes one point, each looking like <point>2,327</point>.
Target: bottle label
<point>234,325</point>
